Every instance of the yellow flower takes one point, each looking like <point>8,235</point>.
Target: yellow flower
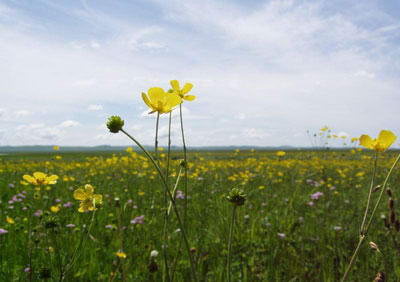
<point>40,178</point>
<point>280,153</point>
<point>325,128</point>
<point>160,101</point>
<point>121,254</point>
<point>129,150</point>
<point>55,209</point>
<point>182,92</point>
<point>56,148</point>
<point>10,220</point>
<point>87,198</point>
<point>385,139</point>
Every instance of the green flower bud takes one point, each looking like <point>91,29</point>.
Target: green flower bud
<point>115,124</point>
<point>237,197</point>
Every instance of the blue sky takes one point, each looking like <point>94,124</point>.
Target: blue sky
<point>264,72</point>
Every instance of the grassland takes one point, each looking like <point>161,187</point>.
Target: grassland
<point>286,231</point>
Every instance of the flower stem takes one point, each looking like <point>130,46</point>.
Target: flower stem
<point>369,194</point>
<point>353,258</point>
<point>165,228</point>
<point>156,137</point>
<point>164,181</point>
<point>186,166</point>
<point>228,267</point>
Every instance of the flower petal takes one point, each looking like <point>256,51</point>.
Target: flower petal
<point>29,178</point>
<point>173,100</point>
<point>156,94</point>
<point>52,179</point>
<point>89,189</point>
<point>386,138</point>
<point>189,97</point>
<point>366,141</point>
<point>175,85</point>
<point>146,100</point>
<point>79,194</point>
<point>187,88</point>
<point>39,175</point>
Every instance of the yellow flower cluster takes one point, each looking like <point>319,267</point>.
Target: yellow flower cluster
<point>88,200</point>
<point>164,102</point>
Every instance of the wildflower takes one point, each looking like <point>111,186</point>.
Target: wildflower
<point>316,195</point>
<point>27,269</point>
<point>237,197</point>
<point>154,253</point>
<point>56,148</point>
<point>10,220</point>
<point>40,178</point>
<point>67,205</point>
<point>179,194</point>
<point>385,139</point>
<point>138,220</point>
<point>3,231</point>
<point>282,235</point>
<point>70,225</point>
<point>280,153</point>
<point>160,101</point>
<point>55,209</point>
<point>182,92</point>
<point>115,124</point>
<point>87,198</point>
<point>121,254</point>
<point>38,213</point>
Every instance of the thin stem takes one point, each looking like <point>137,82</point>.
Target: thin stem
<point>186,165</point>
<point>156,137</point>
<point>353,258</point>
<point>228,267</point>
<point>174,190</point>
<point>369,194</point>
<point>165,228</point>
<point>178,217</point>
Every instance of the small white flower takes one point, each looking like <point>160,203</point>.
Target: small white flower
<point>153,253</point>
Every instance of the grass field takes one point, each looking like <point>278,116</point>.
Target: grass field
<point>300,221</point>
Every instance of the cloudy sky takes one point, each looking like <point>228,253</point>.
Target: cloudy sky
<point>264,72</point>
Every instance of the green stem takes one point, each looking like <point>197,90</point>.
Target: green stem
<point>165,228</point>
<point>156,138</point>
<point>228,267</point>
<point>174,190</point>
<point>180,223</point>
<point>369,194</point>
<point>353,258</point>
<point>186,165</point>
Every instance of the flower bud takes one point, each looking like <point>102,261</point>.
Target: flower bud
<point>115,124</point>
<point>237,197</point>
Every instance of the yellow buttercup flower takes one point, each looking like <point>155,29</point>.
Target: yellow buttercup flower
<point>160,101</point>
<point>55,209</point>
<point>121,254</point>
<point>385,139</point>
<point>40,178</point>
<point>56,148</point>
<point>182,92</point>
<point>10,220</point>
<point>87,198</point>
<point>281,153</point>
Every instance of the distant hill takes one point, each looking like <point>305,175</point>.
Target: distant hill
<point>106,148</point>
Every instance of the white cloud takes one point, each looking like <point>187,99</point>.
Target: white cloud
<point>69,123</point>
<point>95,107</point>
